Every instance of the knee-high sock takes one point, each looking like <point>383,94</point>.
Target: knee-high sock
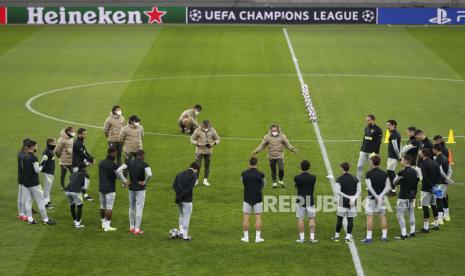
<point>445,201</point>
<point>339,224</point>
<point>426,212</point>
<point>439,204</point>
<point>350,225</point>
<point>79,212</point>
<point>435,211</point>
<point>72,207</point>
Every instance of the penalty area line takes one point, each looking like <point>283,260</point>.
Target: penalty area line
<point>324,153</point>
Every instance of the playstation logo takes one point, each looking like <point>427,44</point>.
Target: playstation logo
<point>441,18</point>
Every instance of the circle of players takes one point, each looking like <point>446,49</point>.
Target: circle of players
<point>421,159</point>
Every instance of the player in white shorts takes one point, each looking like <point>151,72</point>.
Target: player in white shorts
<point>253,181</point>
<point>378,185</point>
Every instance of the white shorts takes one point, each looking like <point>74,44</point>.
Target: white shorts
<point>372,206</point>
<point>74,198</point>
<point>363,158</point>
<point>256,208</point>
<point>427,199</point>
<point>405,204</point>
<point>391,164</point>
<point>301,211</point>
<point>347,212</point>
<point>107,200</point>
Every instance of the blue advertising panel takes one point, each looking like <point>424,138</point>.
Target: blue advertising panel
<point>415,16</point>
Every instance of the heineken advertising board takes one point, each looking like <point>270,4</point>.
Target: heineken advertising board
<point>92,15</point>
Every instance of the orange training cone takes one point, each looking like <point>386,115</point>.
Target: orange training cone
<point>451,139</point>
<point>451,160</point>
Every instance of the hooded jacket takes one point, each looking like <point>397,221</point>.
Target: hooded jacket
<point>200,138</point>
<point>131,136</point>
<point>275,145</point>
<point>112,127</point>
<point>190,113</point>
<point>64,149</point>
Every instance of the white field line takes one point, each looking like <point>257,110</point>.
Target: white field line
<point>29,102</point>
<point>352,247</point>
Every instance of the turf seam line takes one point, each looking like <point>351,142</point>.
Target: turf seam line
<point>352,247</point>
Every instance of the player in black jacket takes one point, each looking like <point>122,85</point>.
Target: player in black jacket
<point>305,185</point>
<point>407,179</point>
<point>32,189</point>
<point>378,185</point>
<point>21,192</point>
<point>253,181</point>
<point>78,181</point>
<point>372,136</point>
<point>139,174</point>
<point>347,190</point>
<point>183,185</point>
<point>438,139</point>
<point>81,155</point>
<point>431,178</point>
<point>107,188</point>
<point>446,174</point>
<point>394,155</point>
<point>48,169</point>
<point>424,143</point>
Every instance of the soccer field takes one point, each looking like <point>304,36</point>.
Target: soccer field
<point>245,80</point>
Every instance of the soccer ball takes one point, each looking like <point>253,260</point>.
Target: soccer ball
<point>368,15</point>
<point>195,15</point>
<point>174,234</point>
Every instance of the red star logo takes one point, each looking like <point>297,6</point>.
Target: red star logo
<point>155,15</point>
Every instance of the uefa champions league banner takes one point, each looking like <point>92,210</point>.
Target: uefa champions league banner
<point>196,15</point>
<point>413,16</point>
<point>91,15</point>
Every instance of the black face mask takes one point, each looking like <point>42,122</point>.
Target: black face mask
<point>52,147</point>
<point>111,158</point>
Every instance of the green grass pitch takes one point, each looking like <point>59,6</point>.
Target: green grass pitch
<point>245,79</point>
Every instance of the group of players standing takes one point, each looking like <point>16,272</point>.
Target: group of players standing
<point>421,159</point>
<point>123,138</point>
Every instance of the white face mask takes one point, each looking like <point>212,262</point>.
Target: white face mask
<point>72,134</point>
<point>274,133</point>
<point>119,112</point>
<point>136,123</point>
<point>196,112</point>
<point>206,129</point>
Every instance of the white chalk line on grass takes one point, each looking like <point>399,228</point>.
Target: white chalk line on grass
<point>29,102</point>
<point>352,247</point>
